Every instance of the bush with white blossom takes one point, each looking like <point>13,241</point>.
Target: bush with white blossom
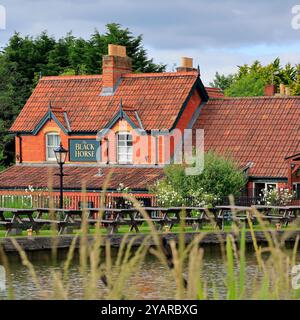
<point>167,196</point>
<point>220,178</point>
<point>277,196</point>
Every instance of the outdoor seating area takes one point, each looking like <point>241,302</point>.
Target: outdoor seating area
<point>16,220</point>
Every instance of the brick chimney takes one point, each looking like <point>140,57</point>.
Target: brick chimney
<point>114,65</point>
<point>270,90</point>
<point>186,65</point>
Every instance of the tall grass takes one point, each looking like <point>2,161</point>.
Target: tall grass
<point>105,277</point>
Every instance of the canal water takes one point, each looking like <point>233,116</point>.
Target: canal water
<point>151,281</point>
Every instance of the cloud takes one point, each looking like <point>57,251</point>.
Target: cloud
<point>223,30</point>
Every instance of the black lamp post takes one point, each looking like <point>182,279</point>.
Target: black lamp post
<point>61,156</point>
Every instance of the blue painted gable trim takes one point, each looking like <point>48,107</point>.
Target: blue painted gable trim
<point>48,116</point>
<point>121,114</point>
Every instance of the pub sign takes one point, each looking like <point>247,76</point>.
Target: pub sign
<point>84,150</point>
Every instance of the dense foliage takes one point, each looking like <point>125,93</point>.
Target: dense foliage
<point>250,80</point>
<point>220,178</point>
<point>25,59</point>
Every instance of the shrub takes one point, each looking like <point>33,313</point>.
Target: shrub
<point>220,178</point>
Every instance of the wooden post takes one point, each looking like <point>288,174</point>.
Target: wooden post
<point>290,177</point>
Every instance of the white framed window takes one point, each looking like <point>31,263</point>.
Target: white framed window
<point>52,142</point>
<point>124,148</point>
<point>259,187</point>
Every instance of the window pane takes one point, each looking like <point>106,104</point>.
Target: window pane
<point>57,140</point>
<point>53,141</point>
<point>271,186</point>
<point>122,158</point>
<point>51,154</point>
<point>122,150</point>
<point>122,143</point>
<point>50,138</point>
<point>125,148</point>
<point>122,137</point>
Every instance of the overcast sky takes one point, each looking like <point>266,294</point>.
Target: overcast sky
<point>219,35</point>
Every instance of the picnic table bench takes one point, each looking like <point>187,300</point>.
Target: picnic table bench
<point>17,221</point>
<point>195,221</point>
<point>111,218</point>
<point>279,214</point>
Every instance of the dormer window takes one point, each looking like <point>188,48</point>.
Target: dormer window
<point>124,148</point>
<point>52,142</point>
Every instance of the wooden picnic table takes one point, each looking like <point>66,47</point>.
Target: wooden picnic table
<point>238,214</point>
<point>112,218</point>
<point>195,221</point>
<point>21,219</point>
<point>279,214</point>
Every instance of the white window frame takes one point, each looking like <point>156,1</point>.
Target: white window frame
<point>266,185</point>
<point>48,146</point>
<point>127,146</point>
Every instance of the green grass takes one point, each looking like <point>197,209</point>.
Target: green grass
<point>145,229</point>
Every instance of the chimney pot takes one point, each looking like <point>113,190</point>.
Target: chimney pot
<point>282,89</point>
<point>287,91</point>
<point>186,65</point>
<point>116,50</point>
<point>186,62</point>
<point>270,90</point>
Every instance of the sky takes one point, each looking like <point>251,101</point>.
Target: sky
<point>218,34</point>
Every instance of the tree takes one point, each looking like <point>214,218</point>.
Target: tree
<point>296,84</point>
<point>221,81</point>
<point>250,80</point>
<point>247,86</point>
<point>220,178</point>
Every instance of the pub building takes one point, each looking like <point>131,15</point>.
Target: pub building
<point>107,123</point>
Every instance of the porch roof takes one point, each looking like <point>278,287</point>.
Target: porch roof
<point>91,177</point>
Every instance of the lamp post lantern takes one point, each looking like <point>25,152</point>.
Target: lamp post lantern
<point>61,156</point>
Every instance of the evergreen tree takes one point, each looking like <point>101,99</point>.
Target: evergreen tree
<point>221,81</point>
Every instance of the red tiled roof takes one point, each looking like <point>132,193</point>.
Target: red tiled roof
<point>158,98</point>
<point>263,130</point>
<point>214,92</point>
<point>21,176</point>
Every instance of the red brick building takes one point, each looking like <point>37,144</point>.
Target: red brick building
<point>101,119</point>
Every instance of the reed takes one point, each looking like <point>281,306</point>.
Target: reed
<point>103,276</point>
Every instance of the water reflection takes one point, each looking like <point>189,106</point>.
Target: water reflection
<point>151,281</point>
